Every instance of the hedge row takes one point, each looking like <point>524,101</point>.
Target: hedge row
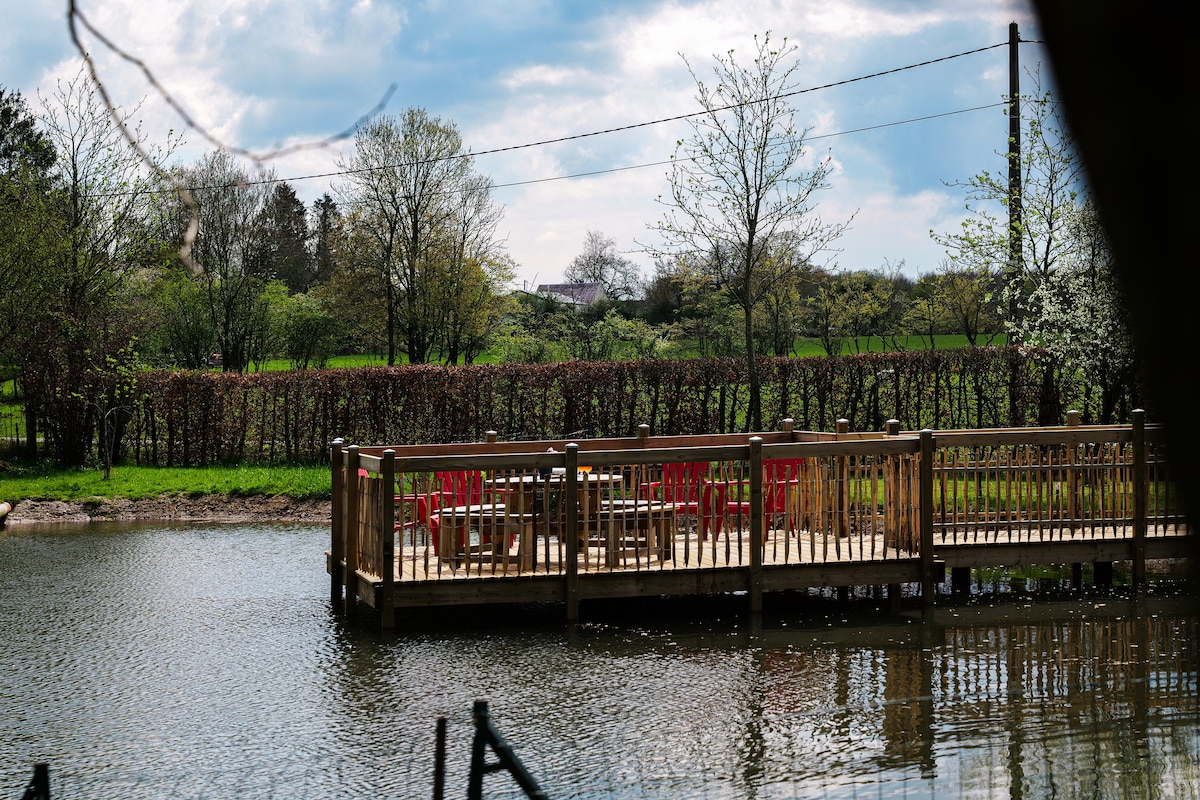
<point>193,418</point>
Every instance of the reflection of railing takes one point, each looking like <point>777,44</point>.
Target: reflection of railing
<point>776,499</point>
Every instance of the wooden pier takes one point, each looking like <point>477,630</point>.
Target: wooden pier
<point>563,521</point>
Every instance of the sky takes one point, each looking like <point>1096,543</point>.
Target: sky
<point>281,73</point>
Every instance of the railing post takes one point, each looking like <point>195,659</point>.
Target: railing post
<point>571,493</point>
<point>387,540</point>
<point>350,529</point>
<point>891,507</point>
<point>926,516</point>
<point>841,501</point>
<point>336,537</point>
<point>1074,507</point>
<point>789,426</point>
<point>756,524</point>
<point>487,736</point>
<point>491,437</point>
<point>1141,500</point>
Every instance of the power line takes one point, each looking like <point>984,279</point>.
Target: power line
<point>622,128</point>
<point>675,160</point>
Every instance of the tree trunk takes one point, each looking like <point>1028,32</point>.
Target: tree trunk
<point>754,405</point>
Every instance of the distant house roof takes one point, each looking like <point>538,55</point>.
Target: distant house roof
<point>576,294</point>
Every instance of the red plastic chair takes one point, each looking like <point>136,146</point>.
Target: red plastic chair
<point>779,476</point>
<point>686,486</point>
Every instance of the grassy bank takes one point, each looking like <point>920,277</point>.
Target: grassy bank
<point>137,483</point>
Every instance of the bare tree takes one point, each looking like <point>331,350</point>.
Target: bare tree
<point>740,188</point>
<point>601,263</point>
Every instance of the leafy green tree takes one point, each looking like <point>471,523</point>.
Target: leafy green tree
<point>283,250</point>
<point>781,308</point>
<point>823,316</point>
<point>418,202</point>
<point>184,332</point>
<point>306,331</point>
<point>325,218</point>
<point>22,145</point>
<point>663,295</point>
<point>356,283</point>
<point>229,243</point>
<point>740,190</point>
<point>28,224</point>
<point>27,158</point>
<point>926,315</point>
<point>88,303</point>
<point>970,300</point>
<point>473,306</point>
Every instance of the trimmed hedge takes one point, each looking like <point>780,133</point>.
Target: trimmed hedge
<point>197,418</point>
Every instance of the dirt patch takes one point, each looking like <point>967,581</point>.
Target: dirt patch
<point>207,508</point>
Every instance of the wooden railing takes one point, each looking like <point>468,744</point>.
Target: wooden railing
<point>1044,484</point>
<point>777,498</point>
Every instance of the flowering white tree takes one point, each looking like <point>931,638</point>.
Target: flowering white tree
<point>1061,293</point>
<point>1076,314</point>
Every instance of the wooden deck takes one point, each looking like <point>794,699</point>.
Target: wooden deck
<point>851,510</point>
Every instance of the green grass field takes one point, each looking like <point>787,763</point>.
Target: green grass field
<point>135,483</point>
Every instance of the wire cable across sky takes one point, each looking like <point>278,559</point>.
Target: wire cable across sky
<point>639,125</point>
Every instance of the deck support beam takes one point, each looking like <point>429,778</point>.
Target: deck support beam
<point>960,580</point>
<point>572,532</point>
<point>1141,486</point>
<point>387,555</point>
<point>337,523</point>
<point>350,530</point>
<point>925,489</point>
<point>756,526</point>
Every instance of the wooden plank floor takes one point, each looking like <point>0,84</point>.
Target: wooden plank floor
<point>799,548</point>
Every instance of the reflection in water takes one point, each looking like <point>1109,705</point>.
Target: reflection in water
<point>203,662</point>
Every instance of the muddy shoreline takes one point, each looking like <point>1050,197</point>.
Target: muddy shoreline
<point>205,508</point>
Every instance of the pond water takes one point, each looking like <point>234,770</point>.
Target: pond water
<point>204,662</point>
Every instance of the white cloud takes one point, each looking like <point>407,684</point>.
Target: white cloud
<point>288,71</point>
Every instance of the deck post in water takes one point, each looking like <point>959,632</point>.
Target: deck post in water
<point>439,761</point>
<point>891,428</point>
<point>350,529</point>
<point>926,510</point>
<point>1140,499</point>
<point>1074,508</point>
<point>571,493</point>
<point>756,524</point>
<point>387,540</point>
<point>337,473</point>
<point>841,499</point>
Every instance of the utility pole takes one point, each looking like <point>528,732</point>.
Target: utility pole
<point>1014,152</point>
<point>1014,270</point>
